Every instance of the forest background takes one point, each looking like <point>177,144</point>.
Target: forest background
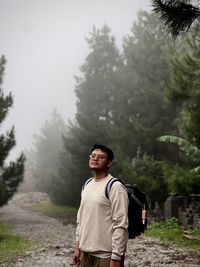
<point>142,101</point>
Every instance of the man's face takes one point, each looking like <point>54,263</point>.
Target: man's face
<point>99,160</point>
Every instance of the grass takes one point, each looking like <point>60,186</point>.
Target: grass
<point>65,213</point>
<point>11,245</point>
<point>172,233</point>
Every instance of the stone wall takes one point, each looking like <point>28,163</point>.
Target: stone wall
<point>185,209</point>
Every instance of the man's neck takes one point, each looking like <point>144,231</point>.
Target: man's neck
<point>100,174</point>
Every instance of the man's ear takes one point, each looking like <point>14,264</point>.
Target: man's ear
<point>109,164</point>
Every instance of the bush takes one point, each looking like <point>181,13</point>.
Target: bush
<point>183,181</point>
<point>149,175</point>
<point>169,224</point>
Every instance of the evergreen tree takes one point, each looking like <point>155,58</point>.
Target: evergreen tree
<point>143,111</point>
<point>62,181</point>
<point>184,88</point>
<point>150,176</point>
<point>177,15</point>
<point>96,88</point>
<point>94,91</point>
<point>11,174</point>
<point>120,102</point>
<point>44,154</point>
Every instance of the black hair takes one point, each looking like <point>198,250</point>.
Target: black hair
<point>106,149</point>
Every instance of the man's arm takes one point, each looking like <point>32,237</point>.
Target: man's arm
<point>119,209</point>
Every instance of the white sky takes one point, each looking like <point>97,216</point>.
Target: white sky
<point>44,44</point>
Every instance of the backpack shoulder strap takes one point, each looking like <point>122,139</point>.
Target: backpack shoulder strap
<point>109,185</point>
<point>87,182</point>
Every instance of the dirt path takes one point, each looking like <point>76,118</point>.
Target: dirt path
<point>56,243</point>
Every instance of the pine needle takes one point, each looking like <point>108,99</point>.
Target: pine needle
<point>178,16</point>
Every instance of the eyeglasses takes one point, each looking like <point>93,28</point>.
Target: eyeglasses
<point>98,157</point>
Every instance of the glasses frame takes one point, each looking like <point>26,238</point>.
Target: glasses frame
<point>98,157</point>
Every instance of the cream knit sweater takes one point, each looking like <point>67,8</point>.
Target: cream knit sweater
<point>101,223</point>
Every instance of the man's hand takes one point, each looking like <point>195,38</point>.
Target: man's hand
<point>114,263</point>
<point>76,256</point>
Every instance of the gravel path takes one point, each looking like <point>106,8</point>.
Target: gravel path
<point>56,242</point>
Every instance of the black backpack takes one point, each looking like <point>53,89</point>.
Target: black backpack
<point>137,208</point>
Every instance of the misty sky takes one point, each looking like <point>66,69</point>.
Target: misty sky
<point>44,44</point>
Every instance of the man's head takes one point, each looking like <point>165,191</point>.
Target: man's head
<point>107,150</point>
<point>101,157</point>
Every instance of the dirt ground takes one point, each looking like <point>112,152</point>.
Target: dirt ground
<point>56,241</point>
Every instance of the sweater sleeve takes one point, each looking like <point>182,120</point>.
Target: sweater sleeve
<point>119,211</point>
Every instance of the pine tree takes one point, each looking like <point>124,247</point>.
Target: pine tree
<point>44,154</point>
<point>11,174</point>
<point>177,15</point>
<point>120,102</point>
<point>143,111</point>
<point>184,87</point>
<point>184,90</point>
<point>94,90</point>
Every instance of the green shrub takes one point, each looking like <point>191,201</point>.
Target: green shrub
<point>169,224</point>
<point>149,175</point>
<point>183,181</point>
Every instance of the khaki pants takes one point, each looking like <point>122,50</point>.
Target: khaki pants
<point>88,260</point>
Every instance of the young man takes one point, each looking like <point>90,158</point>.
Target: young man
<point>102,223</point>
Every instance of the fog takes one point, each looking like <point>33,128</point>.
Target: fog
<point>44,44</point>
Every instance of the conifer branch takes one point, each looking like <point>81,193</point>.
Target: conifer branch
<point>178,16</point>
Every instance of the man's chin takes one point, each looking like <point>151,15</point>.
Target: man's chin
<point>94,166</point>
